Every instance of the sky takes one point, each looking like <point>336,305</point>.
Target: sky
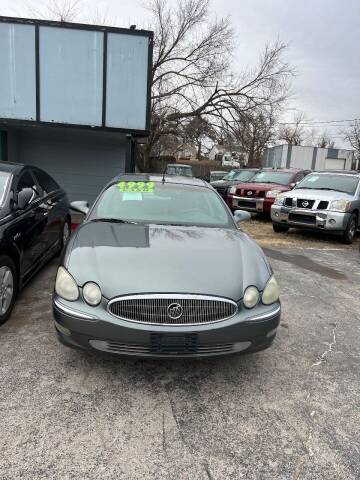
<point>323,38</point>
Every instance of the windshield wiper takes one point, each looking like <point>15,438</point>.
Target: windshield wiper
<point>113,220</point>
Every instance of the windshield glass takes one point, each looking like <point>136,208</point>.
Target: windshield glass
<point>162,203</point>
<point>244,175</point>
<point>230,175</point>
<point>175,170</point>
<point>339,183</point>
<point>4,177</point>
<point>281,178</point>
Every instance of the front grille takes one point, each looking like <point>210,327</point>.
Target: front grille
<point>245,204</point>
<point>288,202</point>
<point>296,217</point>
<point>304,203</point>
<point>189,346</point>
<point>171,309</point>
<point>323,205</point>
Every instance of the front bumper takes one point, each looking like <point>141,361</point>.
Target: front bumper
<point>249,330</point>
<point>308,218</point>
<point>251,204</point>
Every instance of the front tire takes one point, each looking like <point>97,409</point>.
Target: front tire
<point>278,228</point>
<point>8,287</point>
<point>64,235</point>
<point>349,233</point>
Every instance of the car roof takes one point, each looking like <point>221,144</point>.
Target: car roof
<point>339,172</point>
<point>10,167</point>
<point>178,165</point>
<point>157,177</point>
<point>285,170</point>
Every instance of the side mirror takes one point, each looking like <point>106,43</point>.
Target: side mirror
<point>241,216</point>
<point>293,185</point>
<point>80,206</point>
<point>24,197</point>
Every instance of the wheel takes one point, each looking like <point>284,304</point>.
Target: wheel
<point>278,228</point>
<point>8,287</point>
<point>66,232</point>
<point>349,233</point>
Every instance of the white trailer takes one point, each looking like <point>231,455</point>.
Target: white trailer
<point>310,158</point>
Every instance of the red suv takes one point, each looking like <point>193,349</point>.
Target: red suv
<point>260,194</point>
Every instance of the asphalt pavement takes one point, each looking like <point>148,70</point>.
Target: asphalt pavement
<point>289,412</point>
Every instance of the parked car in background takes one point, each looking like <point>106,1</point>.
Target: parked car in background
<point>230,160</point>
<point>259,194</point>
<point>34,225</point>
<point>179,169</point>
<point>328,201</point>
<point>217,175</point>
<point>160,268</point>
<point>232,178</point>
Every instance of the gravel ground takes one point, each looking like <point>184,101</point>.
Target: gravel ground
<point>261,230</point>
<point>289,412</point>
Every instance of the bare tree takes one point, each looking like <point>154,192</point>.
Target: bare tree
<point>60,10</point>
<point>192,76</point>
<point>352,135</point>
<point>325,141</point>
<point>294,132</point>
<point>255,130</point>
<point>199,133</point>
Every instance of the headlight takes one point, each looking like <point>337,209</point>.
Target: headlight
<point>92,294</point>
<point>232,190</point>
<point>65,285</point>
<point>279,200</point>
<point>340,205</point>
<point>251,297</point>
<point>271,292</point>
<point>272,193</point>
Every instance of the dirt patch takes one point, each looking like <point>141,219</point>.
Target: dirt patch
<point>261,230</point>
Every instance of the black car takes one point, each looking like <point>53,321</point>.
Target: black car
<point>34,225</point>
<point>233,178</point>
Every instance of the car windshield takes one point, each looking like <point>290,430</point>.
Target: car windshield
<point>244,175</point>
<point>339,183</point>
<point>4,178</point>
<point>176,170</point>
<point>161,203</point>
<point>280,178</point>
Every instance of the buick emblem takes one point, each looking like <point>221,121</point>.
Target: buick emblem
<point>305,203</point>
<point>249,192</point>
<point>174,311</point>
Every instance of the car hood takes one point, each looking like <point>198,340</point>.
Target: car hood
<point>223,183</point>
<point>126,259</point>
<point>327,195</point>
<point>262,186</point>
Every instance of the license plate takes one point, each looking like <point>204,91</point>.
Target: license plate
<point>173,343</point>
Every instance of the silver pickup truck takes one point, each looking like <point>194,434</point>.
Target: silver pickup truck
<point>328,200</point>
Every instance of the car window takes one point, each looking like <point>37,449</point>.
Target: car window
<point>339,183</point>
<point>281,178</point>
<point>162,203</point>
<point>46,182</point>
<point>26,180</point>
<point>4,179</point>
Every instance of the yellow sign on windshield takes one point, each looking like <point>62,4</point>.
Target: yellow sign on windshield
<point>143,187</point>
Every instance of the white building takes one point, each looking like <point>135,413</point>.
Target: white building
<point>311,158</point>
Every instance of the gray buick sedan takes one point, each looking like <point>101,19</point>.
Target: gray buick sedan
<point>159,268</point>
